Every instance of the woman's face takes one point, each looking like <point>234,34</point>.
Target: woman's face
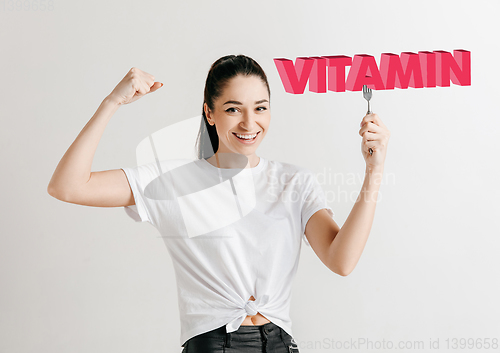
<point>242,110</point>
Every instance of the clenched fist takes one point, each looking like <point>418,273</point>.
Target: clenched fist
<point>375,136</point>
<point>133,86</point>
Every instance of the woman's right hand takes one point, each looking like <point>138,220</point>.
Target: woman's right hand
<point>133,86</point>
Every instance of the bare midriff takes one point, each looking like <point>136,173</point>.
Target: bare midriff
<point>257,319</point>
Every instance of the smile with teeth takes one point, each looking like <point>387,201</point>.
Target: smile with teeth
<point>245,136</point>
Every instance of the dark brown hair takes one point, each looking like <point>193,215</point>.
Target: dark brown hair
<point>219,74</point>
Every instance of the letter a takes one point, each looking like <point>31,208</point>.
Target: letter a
<point>364,71</point>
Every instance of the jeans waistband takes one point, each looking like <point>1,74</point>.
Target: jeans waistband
<point>245,332</point>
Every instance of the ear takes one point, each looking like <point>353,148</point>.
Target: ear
<point>208,114</point>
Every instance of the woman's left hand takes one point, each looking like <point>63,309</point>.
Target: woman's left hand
<point>375,136</point>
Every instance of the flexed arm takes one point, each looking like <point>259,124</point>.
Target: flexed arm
<point>72,177</point>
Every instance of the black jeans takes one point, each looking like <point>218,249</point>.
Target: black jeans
<point>267,338</point>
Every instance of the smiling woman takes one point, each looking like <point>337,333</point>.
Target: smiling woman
<point>236,109</point>
<point>240,124</point>
<point>235,119</point>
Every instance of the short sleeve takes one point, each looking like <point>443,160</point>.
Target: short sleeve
<point>138,178</point>
<point>313,201</point>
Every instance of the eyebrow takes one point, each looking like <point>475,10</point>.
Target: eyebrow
<point>236,102</point>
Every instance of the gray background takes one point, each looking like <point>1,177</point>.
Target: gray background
<point>84,279</point>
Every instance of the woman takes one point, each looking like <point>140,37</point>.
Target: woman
<point>235,223</point>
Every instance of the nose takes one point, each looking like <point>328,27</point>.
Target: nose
<point>248,121</point>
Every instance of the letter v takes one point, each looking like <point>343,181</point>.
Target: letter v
<point>294,78</point>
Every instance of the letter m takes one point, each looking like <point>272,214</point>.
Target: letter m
<point>401,72</point>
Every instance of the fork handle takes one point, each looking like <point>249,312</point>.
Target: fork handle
<point>369,112</point>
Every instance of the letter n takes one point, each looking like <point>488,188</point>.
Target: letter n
<point>456,66</point>
<point>294,78</point>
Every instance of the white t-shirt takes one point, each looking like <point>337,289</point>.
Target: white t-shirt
<point>231,234</point>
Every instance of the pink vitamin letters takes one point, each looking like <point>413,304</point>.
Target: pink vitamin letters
<point>425,69</point>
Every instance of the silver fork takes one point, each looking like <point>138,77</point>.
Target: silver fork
<point>367,94</point>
